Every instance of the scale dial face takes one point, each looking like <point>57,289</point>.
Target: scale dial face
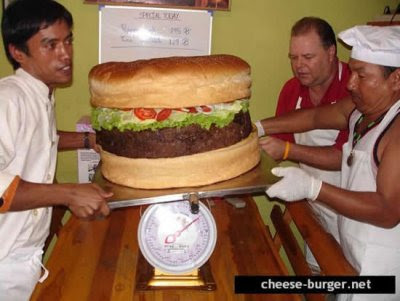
<point>174,240</point>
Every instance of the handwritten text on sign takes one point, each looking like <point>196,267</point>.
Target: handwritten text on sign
<point>128,34</point>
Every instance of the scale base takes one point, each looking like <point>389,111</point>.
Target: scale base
<point>149,278</point>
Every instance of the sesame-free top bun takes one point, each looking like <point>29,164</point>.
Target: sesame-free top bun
<point>173,82</point>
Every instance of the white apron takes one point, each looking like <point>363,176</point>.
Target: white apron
<point>371,250</point>
<point>326,216</point>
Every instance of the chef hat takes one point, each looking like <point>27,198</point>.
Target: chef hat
<point>378,45</point>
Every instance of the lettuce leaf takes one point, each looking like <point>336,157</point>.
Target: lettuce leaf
<point>220,115</point>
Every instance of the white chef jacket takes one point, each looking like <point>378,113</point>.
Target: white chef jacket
<point>28,148</point>
<point>370,249</point>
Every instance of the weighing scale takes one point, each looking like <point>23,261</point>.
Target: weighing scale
<point>177,233</point>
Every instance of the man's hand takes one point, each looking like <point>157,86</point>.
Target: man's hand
<point>273,146</point>
<point>295,185</point>
<point>92,143</point>
<point>88,200</point>
<point>97,148</point>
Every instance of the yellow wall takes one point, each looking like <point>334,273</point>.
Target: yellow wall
<point>256,30</point>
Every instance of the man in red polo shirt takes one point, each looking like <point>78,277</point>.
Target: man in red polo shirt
<point>319,79</point>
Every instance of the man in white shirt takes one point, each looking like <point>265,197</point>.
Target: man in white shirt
<point>38,42</point>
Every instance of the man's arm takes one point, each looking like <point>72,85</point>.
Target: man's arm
<point>324,117</point>
<point>84,200</point>
<point>334,116</point>
<point>75,140</point>
<point>380,208</point>
<point>323,157</point>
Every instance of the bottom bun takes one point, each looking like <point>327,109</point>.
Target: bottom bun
<point>185,171</point>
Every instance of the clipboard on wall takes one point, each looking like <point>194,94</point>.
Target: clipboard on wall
<point>132,33</point>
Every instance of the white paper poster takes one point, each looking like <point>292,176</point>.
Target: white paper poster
<point>131,33</point>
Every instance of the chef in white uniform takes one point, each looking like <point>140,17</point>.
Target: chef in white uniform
<point>369,198</point>
<point>38,40</point>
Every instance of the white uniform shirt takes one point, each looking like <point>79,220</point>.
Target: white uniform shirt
<point>28,148</point>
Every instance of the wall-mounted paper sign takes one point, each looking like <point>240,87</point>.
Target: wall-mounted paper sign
<point>131,33</point>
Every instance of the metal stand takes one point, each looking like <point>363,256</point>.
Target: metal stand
<point>148,278</point>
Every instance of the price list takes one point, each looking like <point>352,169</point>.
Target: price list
<point>128,34</point>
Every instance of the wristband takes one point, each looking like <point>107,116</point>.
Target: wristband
<point>286,152</point>
<point>8,195</point>
<point>86,141</point>
<point>260,129</point>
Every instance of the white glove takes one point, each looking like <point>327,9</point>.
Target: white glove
<point>260,129</point>
<point>295,185</point>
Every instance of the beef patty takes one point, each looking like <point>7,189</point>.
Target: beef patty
<point>174,142</point>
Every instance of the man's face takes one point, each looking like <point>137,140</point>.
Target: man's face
<point>370,90</point>
<point>50,55</point>
<point>311,63</point>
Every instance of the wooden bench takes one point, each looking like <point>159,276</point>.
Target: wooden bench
<point>324,247</point>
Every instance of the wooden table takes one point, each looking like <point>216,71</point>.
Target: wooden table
<point>96,260</point>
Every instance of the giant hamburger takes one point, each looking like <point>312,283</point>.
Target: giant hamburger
<point>173,122</point>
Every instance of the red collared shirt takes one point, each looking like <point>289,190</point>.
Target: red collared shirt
<point>293,90</point>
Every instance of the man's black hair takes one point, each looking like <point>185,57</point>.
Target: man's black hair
<point>22,19</point>
<point>320,26</point>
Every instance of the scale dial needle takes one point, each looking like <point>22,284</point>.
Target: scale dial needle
<point>171,238</point>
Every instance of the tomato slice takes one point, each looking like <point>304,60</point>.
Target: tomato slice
<point>192,110</point>
<point>163,114</point>
<point>143,113</point>
<point>205,109</point>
